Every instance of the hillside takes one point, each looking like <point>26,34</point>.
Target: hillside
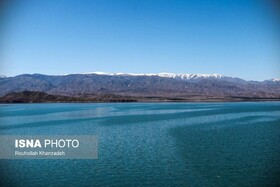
<point>137,87</point>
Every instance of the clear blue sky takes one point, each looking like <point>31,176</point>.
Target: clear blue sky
<point>229,37</point>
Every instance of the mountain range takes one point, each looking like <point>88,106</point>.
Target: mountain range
<point>142,86</point>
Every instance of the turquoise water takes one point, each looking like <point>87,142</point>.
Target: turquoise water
<point>151,144</point>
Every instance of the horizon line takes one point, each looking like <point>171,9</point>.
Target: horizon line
<point>143,74</point>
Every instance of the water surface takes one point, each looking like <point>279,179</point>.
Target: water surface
<point>151,144</point>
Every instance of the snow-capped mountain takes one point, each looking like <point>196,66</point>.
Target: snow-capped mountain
<point>167,75</point>
<point>144,85</point>
<point>275,80</point>
<point>120,74</point>
<point>190,76</point>
<point>186,77</point>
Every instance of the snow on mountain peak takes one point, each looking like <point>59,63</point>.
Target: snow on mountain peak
<point>166,75</point>
<point>190,76</point>
<point>275,80</point>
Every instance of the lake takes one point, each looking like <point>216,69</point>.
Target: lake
<point>151,144</point>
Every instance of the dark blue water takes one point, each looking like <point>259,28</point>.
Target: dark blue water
<point>151,144</point>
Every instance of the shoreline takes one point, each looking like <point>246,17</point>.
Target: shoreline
<point>148,101</point>
<point>42,97</point>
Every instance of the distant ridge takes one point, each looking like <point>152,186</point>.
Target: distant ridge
<point>185,76</point>
<point>172,75</point>
<point>162,85</point>
<point>166,75</point>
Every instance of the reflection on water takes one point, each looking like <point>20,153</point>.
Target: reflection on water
<point>152,144</point>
